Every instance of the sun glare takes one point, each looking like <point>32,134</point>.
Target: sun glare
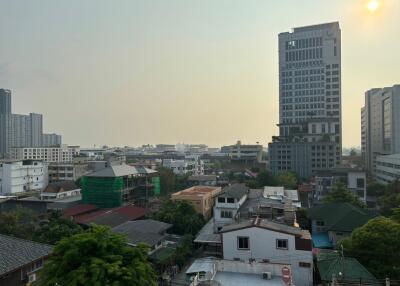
<point>373,5</point>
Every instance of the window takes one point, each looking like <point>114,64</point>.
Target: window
<point>360,183</point>
<point>221,200</point>
<point>243,243</point>
<point>230,200</point>
<point>305,264</point>
<point>281,244</point>
<point>226,214</point>
<point>320,222</point>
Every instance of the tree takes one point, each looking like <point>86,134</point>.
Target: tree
<point>375,189</point>
<point>56,229</point>
<point>97,257</point>
<point>302,219</point>
<point>390,199</point>
<point>265,178</point>
<point>167,180</point>
<point>377,246</point>
<point>20,223</point>
<point>340,194</point>
<point>287,180</point>
<point>182,216</point>
<point>184,250</point>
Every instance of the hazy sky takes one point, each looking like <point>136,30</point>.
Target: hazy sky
<point>134,72</point>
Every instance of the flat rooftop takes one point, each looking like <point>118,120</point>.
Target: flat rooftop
<point>240,279</point>
<point>197,190</point>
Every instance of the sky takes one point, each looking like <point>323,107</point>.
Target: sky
<point>133,72</point>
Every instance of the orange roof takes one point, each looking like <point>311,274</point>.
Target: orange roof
<point>197,190</point>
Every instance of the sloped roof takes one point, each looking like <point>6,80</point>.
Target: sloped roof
<point>265,224</point>
<point>143,231</point>
<point>56,187</point>
<point>340,216</point>
<point>330,262</point>
<point>79,209</point>
<point>235,191</point>
<point>113,217</point>
<point>121,171</point>
<point>16,252</point>
<point>202,178</point>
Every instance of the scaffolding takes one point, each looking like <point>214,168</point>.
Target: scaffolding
<point>103,192</point>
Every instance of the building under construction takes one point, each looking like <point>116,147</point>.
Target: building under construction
<point>113,186</point>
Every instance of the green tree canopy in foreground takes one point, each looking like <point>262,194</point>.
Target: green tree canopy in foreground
<point>182,216</point>
<point>340,194</point>
<point>97,257</point>
<point>377,246</point>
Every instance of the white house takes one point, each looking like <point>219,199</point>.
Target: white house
<point>58,190</point>
<point>18,176</point>
<point>227,205</point>
<point>265,241</point>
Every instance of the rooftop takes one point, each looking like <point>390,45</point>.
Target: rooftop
<point>146,231</point>
<point>16,252</point>
<point>207,235</point>
<point>121,171</point>
<point>197,190</point>
<point>62,185</point>
<point>235,191</point>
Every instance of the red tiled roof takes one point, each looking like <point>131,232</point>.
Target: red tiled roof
<point>78,210</point>
<point>113,217</point>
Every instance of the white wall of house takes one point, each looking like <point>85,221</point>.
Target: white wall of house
<point>18,177</point>
<point>263,246</point>
<point>52,196</point>
<point>219,207</point>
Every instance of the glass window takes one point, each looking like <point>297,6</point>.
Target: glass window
<point>221,200</point>
<point>243,243</point>
<point>282,244</point>
<point>230,200</point>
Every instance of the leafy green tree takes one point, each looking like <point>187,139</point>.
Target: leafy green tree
<point>56,229</point>
<point>287,179</point>
<point>167,180</point>
<point>396,215</point>
<point>97,257</point>
<point>377,246</point>
<point>266,178</point>
<point>390,199</point>
<point>375,189</point>
<point>302,219</point>
<point>21,223</point>
<point>340,194</point>
<point>184,251</point>
<point>181,182</point>
<point>182,216</point>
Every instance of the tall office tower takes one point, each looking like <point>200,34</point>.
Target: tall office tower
<point>51,140</point>
<point>310,132</point>
<point>5,120</point>
<point>381,124</point>
<point>26,130</point>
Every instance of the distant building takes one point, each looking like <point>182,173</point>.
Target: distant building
<point>310,132</point>
<point>201,197</point>
<point>282,195</point>
<point>21,260</point>
<point>387,168</point>
<point>68,171</point>
<point>51,140</point>
<point>354,179</point>
<point>244,153</point>
<point>60,190</point>
<point>261,240</point>
<point>19,176</point>
<point>203,180</point>
<point>47,154</point>
<point>380,124</point>
<point>191,165</point>
<point>12,204</point>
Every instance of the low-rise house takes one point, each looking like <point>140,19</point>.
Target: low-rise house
<point>203,180</point>
<point>282,195</point>
<point>227,204</point>
<point>337,220</point>
<point>211,271</point>
<point>346,270</point>
<point>201,197</point>
<point>147,231</point>
<point>33,204</point>
<point>60,190</point>
<point>20,260</point>
<point>261,240</point>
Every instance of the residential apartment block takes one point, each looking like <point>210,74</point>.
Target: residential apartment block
<point>18,176</point>
<point>244,152</point>
<point>310,131</point>
<point>387,168</point>
<point>47,154</point>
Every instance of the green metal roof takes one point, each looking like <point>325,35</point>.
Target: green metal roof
<point>342,217</point>
<point>347,268</point>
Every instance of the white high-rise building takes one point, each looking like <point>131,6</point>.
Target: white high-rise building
<point>61,154</point>
<point>310,132</point>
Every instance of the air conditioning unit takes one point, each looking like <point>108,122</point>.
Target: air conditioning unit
<point>31,278</point>
<point>267,275</point>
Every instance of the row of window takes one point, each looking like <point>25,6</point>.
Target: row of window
<point>298,65</point>
<point>302,72</point>
<point>243,243</point>
<point>304,55</point>
<point>303,43</point>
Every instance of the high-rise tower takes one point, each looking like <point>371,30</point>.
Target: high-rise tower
<point>310,132</point>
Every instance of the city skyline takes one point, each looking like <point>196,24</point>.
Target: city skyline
<point>133,74</point>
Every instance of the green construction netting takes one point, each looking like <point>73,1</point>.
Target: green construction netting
<point>102,192</point>
<point>157,187</point>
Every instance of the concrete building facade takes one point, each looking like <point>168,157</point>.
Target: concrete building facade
<point>47,154</point>
<point>387,168</point>
<point>18,176</point>
<point>381,124</point>
<point>310,131</point>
